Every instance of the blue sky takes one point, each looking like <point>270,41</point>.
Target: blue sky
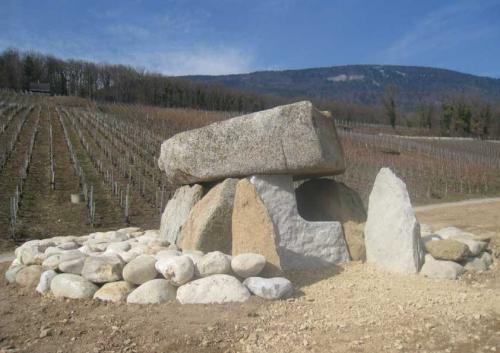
<point>179,37</point>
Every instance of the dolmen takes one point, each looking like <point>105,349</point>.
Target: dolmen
<point>236,187</point>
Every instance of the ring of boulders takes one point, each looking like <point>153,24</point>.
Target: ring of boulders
<point>138,267</point>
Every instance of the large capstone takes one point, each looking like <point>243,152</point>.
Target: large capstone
<point>392,233</point>
<point>299,243</point>
<point>294,139</point>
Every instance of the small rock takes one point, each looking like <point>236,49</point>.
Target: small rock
<point>45,279</point>
<point>11,273</point>
<point>218,289</point>
<point>178,270</point>
<point>74,266</point>
<point>44,332</point>
<point>213,263</point>
<point>68,285</point>
<point>269,288</point>
<point>114,291</point>
<point>480,263</point>
<point>438,269</point>
<point>103,269</point>
<point>152,292</point>
<point>447,249</point>
<point>248,265</point>
<point>29,276</point>
<point>140,270</point>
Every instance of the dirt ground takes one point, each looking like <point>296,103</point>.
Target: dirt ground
<point>349,308</point>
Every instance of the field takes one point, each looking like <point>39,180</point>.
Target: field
<point>349,308</point>
<point>52,147</point>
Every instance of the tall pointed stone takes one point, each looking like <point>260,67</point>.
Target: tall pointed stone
<point>392,233</point>
<point>208,227</point>
<point>252,228</point>
<point>177,211</point>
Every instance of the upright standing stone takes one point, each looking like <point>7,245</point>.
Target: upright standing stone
<point>294,139</point>
<point>299,243</point>
<point>208,227</point>
<point>252,227</point>
<point>392,233</point>
<point>177,211</point>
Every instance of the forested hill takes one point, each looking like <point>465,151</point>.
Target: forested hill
<point>363,84</point>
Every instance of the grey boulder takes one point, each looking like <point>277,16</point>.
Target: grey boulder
<point>103,269</point>
<point>269,288</point>
<point>438,269</point>
<point>68,285</point>
<point>140,270</point>
<point>177,211</point>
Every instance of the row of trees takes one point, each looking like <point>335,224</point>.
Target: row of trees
<point>455,116</point>
<point>119,83</point>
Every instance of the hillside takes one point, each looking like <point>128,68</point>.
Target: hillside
<point>362,83</point>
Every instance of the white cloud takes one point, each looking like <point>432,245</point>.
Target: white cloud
<point>202,61</point>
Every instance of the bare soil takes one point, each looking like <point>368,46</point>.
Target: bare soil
<point>350,308</point>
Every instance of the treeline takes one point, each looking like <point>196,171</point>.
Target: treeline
<point>120,83</point>
<point>453,116</point>
<point>458,115</point>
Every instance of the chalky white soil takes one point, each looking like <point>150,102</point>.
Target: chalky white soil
<point>350,308</point>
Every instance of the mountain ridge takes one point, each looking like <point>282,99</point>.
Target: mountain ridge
<point>363,83</point>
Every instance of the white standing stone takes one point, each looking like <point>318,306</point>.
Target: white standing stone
<point>177,210</point>
<point>216,289</point>
<point>67,285</point>
<point>299,243</point>
<point>269,288</point>
<point>248,264</point>
<point>392,233</point>
<point>45,279</point>
<point>152,292</point>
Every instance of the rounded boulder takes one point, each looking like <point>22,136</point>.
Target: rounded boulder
<point>248,265</point>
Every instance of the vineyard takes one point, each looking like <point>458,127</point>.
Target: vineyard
<point>106,154</point>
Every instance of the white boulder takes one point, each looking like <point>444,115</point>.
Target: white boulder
<point>140,270</point>
<point>213,263</point>
<point>178,270</point>
<point>248,264</point>
<point>45,279</point>
<point>216,289</point>
<point>103,269</point>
